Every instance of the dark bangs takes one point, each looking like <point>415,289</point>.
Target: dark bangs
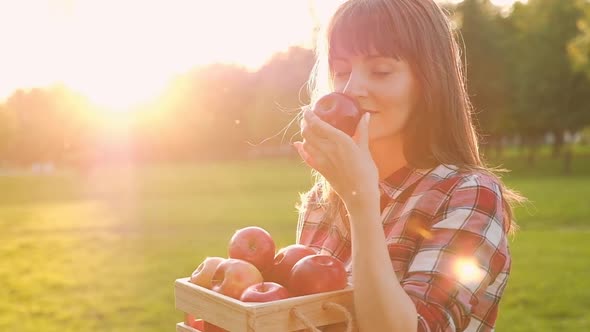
<point>363,27</point>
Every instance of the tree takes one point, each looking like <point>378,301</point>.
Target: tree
<point>485,67</point>
<point>38,136</point>
<point>201,115</point>
<point>7,131</point>
<point>281,90</point>
<point>579,47</point>
<point>549,95</point>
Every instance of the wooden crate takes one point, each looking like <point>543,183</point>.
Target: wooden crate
<point>330,308</point>
<point>182,327</point>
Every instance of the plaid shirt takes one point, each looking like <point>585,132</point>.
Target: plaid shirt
<point>447,244</point>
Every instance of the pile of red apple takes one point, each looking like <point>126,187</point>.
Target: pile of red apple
<point>255,272</point>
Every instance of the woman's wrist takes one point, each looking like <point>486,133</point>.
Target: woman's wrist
<point>364,203</point>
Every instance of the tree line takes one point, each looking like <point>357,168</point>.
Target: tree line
<point>528,74</point>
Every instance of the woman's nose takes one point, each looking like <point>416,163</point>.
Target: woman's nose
<point>355,86</point>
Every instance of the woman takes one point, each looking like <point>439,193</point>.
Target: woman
<point>407,202</point>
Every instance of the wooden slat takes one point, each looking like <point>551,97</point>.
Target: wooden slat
<point>182,327</point>
<point>238,316</point>
<point>210,306</point>
<point>278,316</point>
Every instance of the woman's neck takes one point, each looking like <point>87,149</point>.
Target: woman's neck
<point>388,155</point>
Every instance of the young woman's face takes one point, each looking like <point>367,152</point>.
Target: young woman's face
<point>383,86</point>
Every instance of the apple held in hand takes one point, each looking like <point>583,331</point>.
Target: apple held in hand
<point>284,260</point>
<point>203,275</point>
<point>264,292</point>
<point>253,244</point>
<point>233,276</point>
<point>317,274</point>
<point>340,111</point>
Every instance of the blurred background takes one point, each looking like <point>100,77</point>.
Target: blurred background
<point>137,136</point>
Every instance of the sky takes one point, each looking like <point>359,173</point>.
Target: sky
<point>121,52</point>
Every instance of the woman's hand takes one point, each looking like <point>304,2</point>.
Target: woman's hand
<point>344,161</point>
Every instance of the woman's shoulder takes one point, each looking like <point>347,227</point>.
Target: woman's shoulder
<point>467,200</point>
<point>451,177</point>
<point>448,187</point>
<point>468,192</point>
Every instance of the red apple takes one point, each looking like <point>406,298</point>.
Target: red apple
<point>204,273</point>
<point>264,292</point>
<point>340,111</point>
<point>317,274</point>
<point>252,244</point>
<point>194,323</point>
<point>233,276</point>
<point>284,260</point>
<point>208,327</point>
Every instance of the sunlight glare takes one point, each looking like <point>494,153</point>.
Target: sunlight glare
<point>468,272</point>
<point>121,54</point>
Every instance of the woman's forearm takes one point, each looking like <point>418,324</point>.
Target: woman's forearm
<point>381,304</point>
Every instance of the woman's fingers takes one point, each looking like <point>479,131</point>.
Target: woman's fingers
<point>321,128</point>
<point>311,155</point>
<point>302,153</point>
<point>362,131</point>
<point>324,147</point>
<point>312,136</point>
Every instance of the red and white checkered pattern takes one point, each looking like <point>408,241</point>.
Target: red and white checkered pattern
<point>447,244</point>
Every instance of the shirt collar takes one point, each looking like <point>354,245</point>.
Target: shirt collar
<point>394,184</point>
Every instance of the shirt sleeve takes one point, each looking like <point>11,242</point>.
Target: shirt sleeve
<point>460,256</point>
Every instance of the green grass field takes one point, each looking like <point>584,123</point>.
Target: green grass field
<point>101,252</point>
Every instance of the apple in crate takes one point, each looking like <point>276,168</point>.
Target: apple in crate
<point>284,260</point>
<point>233,276</point>
<point>191,321</point>
<point>203,275</point>
<point>208,327</point>
<point>317,274</point>
<point>264,292</point>
<point>253,244</point>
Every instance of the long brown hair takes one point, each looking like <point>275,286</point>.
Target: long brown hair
<point>440,130</point>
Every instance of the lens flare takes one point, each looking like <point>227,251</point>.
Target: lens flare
<point>468,272</point>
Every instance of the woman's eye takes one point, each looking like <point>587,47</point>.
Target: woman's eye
<point>341,73</point>
<point>381,73</point>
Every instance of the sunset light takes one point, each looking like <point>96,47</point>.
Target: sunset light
<point>215,151</point>
<point>122,53</point>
